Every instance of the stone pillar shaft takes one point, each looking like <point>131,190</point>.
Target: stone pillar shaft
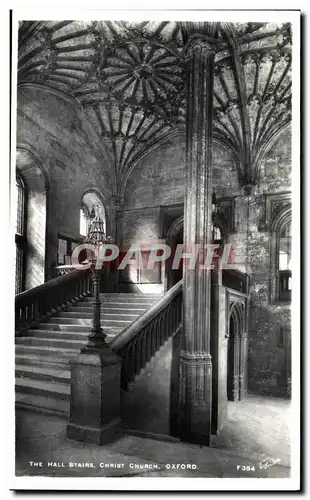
<point>96,304</point>
<point>196,364</point>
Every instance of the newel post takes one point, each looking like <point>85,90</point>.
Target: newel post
<point>95,405</point>
<point>195,359</point>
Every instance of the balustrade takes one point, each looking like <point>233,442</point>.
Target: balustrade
<point>144,337</point>
<point>41,302</point>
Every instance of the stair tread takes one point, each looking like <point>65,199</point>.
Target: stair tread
<point>64,373</point>
<point>32,356</point>
<point>78,313</point>
<point>59,332</point>
<point>58,350</point>
<point>42,368</point>
<point>44,339</point>
<point>66,328</point>
<point>45,385</point>
<point>38,330</point>
<point>86,319</point>
<point>39,402</point>
<point>127,303</point>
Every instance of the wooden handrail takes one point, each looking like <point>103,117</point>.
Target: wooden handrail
<point>138,343</point>
<point>39,303</point>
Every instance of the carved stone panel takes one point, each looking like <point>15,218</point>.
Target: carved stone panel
<point>273,204</point>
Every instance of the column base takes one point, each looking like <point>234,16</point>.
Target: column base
<point>95,406</point>
<point>196,389</point>
<point>105,434</point>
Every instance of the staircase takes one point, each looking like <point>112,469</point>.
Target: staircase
<point>43,354</point>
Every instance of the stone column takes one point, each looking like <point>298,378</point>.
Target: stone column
<point>195,360</point>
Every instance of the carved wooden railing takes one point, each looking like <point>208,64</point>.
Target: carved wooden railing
<point>41,302</point>
<point>144,337</point>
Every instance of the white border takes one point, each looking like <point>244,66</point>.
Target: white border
<point>174,484</point>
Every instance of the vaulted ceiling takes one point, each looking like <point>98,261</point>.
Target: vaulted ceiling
<point>131,80</point>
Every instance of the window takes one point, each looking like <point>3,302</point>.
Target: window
<point>66,246</point>
<point>284,276</point>
<point>280,224</point>
<point>216,234</point>
<point>84,221</point>
<point>20,234</point>
<point>91,205</point>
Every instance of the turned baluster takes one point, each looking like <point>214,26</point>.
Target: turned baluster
<point>137,356</point>
<point>131,365</point>
<point>143,350</point>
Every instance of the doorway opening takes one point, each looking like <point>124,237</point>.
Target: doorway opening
<point>231,361</point>
<point>175,237</point>
<point>236,353</point>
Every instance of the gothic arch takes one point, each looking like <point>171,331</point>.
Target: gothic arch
<point>175,228</point>
<point>236,351</point>
<point>81,114</point>
<point>282,219</point>
<point>218,139</point>
<point>272,140</point>
<point>93,198</point>
<point>37,188</point>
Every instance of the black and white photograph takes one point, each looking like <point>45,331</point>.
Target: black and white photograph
<point>155,232</point>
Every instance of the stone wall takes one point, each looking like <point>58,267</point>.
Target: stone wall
<point>71,158</point>
<point>74,160</point>
<point>267,368</point>
<point>150,405</point>
<point>158,181</point>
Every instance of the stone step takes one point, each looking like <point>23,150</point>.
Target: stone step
<point>112,306</point>
<point>43,354</point>
<point>42,404</point>
<point>109,310</point>
<point>57,375</point>
<point>132,294</point>
<point>64,327</point>
<point>51,342</point>
<point>78,328</point>
<point>105,316</point>
<point>85,322</point>
<point>47,351</point>
<point>123,300</point>
<point>59,334</point>
<point>50,389</point>
<point>43,361</point>
<point>82,336</point>
<point>123,304</point>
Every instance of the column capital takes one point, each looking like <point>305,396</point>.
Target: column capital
<point>194,358</point>
<point>199,43</point>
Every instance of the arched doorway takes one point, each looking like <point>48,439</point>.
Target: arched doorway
<point>231,361</point>
<point>174,238</point>
<point>235,353</point>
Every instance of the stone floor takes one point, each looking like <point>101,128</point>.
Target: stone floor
<point>257,429</point>
<point>257,426</point>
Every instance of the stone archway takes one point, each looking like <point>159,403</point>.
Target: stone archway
<point>174,238</point>
<point>36,202</point>
<point>236,358</point>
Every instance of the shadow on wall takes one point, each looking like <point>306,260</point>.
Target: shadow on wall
<point>269,352</point>
<point>36,187</point>
<point>151,403</point>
